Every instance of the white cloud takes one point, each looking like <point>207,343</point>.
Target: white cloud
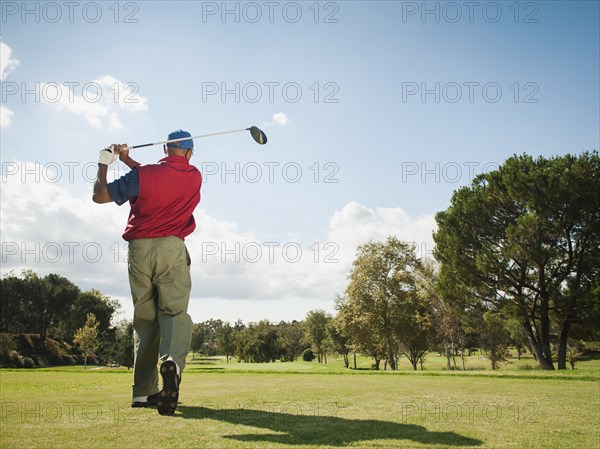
<point>123,94</point>
<point>277,119</point>
<point>7,62</point>
<point>356,224</point>
<point>236,273</point>
<point>98,103</point>
<point>5,117</point>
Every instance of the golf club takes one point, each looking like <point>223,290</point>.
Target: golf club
<point>258,136</point>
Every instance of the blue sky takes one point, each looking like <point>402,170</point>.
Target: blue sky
<point>522,81</point>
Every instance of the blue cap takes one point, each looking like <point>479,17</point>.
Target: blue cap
<point>182,144</point>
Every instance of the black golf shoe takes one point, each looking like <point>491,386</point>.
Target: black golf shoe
<point>149,403</point>
<point>168,396</point>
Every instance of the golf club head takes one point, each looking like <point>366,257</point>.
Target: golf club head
<point>258,136</point>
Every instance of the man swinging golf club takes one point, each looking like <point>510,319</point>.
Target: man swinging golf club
<point>162,198</point>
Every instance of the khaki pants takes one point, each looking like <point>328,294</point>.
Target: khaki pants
<point>159,276</point>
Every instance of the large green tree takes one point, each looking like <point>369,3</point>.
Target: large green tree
<point>92,301</point>
<point>198,338</point>
<point>226,340</point>
<point>55,301</point>
<point>361,330</point>
<point>382,298</point>
<point>526,238</point>
<point>316,332</point>
<point>258,343</point>
<point>290,336</point>
<point>20,297</point>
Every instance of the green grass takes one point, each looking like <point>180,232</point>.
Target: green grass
<point>305,405</point>
<point>475,366</point>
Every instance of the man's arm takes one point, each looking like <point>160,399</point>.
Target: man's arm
<point>101,193</point>
<point>123,153</point>
<point>122,189</point>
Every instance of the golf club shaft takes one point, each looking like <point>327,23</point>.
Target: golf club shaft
<point>187,138</point>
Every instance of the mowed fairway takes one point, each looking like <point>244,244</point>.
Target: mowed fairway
<point>67,407</point>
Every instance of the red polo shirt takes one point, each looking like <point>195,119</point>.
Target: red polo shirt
<point>169,191</point>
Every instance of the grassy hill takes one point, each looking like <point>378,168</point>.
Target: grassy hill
<point>30,351</point>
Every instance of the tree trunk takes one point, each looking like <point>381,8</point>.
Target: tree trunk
<point>346,361</point>
<point>414,363</point>
<point>391,356</point>
<point>377,362</point>
<point>562,344</point>
<point>545,334</point>
<point>453,356</point>
<point>448,365</point>
<point>355,360</point>
<point>536,349</point>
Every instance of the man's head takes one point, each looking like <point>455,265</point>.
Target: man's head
<point>183,148</point>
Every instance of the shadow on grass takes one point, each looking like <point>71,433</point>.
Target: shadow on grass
<point>311,429</point>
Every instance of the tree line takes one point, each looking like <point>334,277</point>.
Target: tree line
<point>516,263</point>
<point>53,306</point>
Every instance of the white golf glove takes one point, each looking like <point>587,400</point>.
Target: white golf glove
<point>108,155</point>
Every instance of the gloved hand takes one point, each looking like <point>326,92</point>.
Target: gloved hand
<point>108,155</point>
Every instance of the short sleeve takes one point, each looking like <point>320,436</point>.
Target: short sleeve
<point>125,187</point>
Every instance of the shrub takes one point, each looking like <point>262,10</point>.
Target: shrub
<point>28,362</point>
<point>15,359</point>
<point>308,355</point>
<point>526,367</point>
<point>54,359</point>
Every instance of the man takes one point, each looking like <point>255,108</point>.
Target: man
<point>162,198</point>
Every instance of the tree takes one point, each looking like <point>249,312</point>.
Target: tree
<point>258,343</point>
<point>290,336</point>
<point>381,294</point>
<point>16,307</point>
<point>525,239</point>
<point>55,298</point>
<point>212,329</point>
<point>360,329</point>
<point>86,338</point>
<point>339,338</point>
<point>316,332</point>
<point>92,301</point>
<point>494,338</point>
<point>123,353</point>
<point>198,338</point>
<point>415,329</point>
<point>226,340</point>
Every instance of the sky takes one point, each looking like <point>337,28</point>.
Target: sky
<point>375,113</point>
